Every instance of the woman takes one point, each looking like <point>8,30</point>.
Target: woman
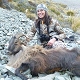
<point>48,29</point>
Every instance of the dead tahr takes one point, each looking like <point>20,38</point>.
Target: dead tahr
<point>41,60</point>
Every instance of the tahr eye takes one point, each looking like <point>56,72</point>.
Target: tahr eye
<point>15,41</point>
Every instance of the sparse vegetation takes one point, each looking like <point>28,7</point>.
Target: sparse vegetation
<point>56,10</point>
<point>70,13</point>
<point>76,23</point>
<point>31,6</point>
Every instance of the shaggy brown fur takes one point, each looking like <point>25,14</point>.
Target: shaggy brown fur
<point>26,52</point>
<point>41,60</point>
<point>47,61</point>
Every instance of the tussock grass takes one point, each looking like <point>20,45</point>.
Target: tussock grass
<point>70,13</point>
<point>30,15</point>
<point>54,9</point>
<point>62,5</point>
<point>76,23</point>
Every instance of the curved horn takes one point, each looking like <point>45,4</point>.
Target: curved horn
<point>19,34</point>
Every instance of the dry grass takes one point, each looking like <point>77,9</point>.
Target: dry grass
<point>30,15</point>
<point>54,9</point>
<point>70,13</point>
<point>75,23</point>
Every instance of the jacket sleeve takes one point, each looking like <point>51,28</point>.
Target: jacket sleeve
<point>56,30</point>
<point>33,36</point>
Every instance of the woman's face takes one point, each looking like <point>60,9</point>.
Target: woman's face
<point>41,13</point>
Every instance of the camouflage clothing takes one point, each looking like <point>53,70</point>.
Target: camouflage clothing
<point>55,30</point>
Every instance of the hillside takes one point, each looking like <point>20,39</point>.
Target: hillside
<point>18,20</point>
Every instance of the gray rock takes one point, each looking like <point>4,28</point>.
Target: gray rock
<point>13,21</point>
<point>76,78</point>
<point>16,78</point>
<point>8,78</point>
<point>2,79</point>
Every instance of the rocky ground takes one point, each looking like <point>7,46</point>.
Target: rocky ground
<point>13,21</point>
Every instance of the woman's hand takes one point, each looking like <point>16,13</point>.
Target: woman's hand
<point>51,41</point>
